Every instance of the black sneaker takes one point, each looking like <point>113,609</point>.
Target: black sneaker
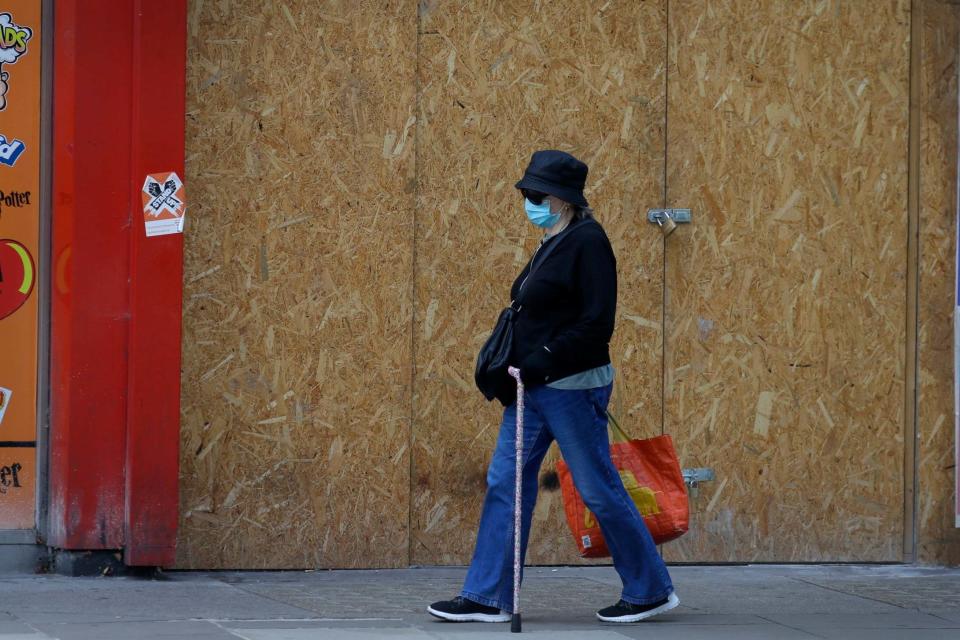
<point>462,610</point>
<point>625,611</point>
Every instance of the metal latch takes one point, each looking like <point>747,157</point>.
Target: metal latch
<point>693,477</point>
<point>679,216</point>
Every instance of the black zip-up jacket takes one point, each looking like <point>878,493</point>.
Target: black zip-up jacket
<point>567,308</point>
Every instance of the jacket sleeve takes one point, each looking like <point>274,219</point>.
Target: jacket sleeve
<point>596,283</point>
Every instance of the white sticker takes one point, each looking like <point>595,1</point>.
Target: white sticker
<point>586,542</point>
<point>164,204</point>
<point>5,395</point>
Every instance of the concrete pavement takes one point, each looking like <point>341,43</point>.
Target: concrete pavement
<point>743,602</point>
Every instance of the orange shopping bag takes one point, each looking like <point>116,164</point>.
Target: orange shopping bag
<point>651,474</point>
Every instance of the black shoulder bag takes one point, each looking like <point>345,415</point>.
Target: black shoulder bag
<point>492,361</point>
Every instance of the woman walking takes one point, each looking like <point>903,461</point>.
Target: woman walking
<point>561,346</point>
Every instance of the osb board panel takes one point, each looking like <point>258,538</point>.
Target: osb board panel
<point>298,284</point>
<point>499,80</point>
<point>785,301</point>
<point>938,540</point>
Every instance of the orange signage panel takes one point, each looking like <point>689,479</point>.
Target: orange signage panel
<point>19,244</point>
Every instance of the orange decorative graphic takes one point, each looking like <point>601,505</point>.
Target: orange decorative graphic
<point>13,44</point>
<point>16,276</point>
<point>5,395</point>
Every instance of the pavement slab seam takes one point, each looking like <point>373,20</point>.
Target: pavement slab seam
<point>210,620</point>
<point>854,595</point>
<point>266,597</point>
<point>227,630</point>
<point>29,625</point>
<point>245,620</point>
<point>936,615</point>
<point>787,626</point>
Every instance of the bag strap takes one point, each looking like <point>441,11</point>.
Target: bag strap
<point>546,253</point>
<point>619,435</point>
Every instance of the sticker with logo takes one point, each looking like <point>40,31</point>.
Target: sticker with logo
<point>164,203</point>
<point>13,44</point>
<point>5,395</point>
<point>17,276</point>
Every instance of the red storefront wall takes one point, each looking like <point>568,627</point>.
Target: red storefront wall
<point>118,115</point>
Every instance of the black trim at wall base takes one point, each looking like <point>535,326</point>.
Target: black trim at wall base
<point>95,563</point>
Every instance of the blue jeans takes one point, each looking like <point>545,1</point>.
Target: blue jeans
<point>578,422</point>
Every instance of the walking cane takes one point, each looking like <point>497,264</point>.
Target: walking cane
<point>515,619</point>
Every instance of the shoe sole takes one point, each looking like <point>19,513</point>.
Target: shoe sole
<point>672,601</point>
<point>469,617</point>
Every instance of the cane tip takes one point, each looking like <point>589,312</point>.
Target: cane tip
<point>515,623</point>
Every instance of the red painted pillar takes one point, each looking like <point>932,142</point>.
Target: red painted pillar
<point>90,252</point>
<point>156,288</point>
<point>118,114</point>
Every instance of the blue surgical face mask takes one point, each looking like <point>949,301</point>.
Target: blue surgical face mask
<point>539,214</point>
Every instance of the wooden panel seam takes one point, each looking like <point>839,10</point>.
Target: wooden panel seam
<point>913,279</point>
<point>413,288</point>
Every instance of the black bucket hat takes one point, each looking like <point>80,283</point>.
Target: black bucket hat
<point>556,173</point>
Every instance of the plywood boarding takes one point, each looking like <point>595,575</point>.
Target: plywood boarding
<point>938,540</point>
<point>499,80</point>
<point>785,305</point>
<point>296,386</point>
